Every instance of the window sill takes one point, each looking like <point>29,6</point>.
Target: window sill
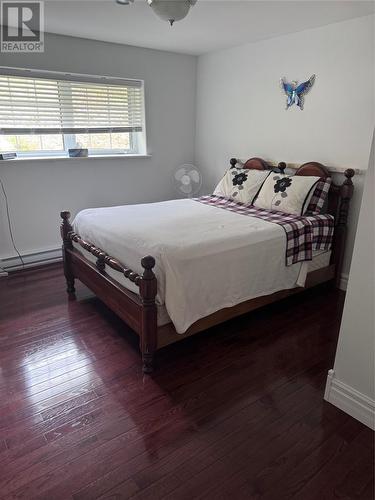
<point>62,158</point>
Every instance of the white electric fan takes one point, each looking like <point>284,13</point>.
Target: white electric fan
<point>188,180</point>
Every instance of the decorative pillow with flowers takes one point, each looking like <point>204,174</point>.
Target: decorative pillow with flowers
<point>285,193</point>
<point>241,184</point>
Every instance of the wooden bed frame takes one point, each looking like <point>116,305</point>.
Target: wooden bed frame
<point>139,310</point>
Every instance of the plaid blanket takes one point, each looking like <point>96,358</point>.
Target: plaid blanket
<point>304,234</point>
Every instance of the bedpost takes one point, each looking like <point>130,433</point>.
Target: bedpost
<point>148,289</point>
<point>65,229</point>
<point>338,247</point>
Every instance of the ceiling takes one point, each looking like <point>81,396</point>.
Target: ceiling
<point>210,24</point>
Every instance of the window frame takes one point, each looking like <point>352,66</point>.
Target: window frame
<point>138,140</point>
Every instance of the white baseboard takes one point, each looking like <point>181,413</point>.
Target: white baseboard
<point>10,264</point>
<point>350,400</point>
<point>344,281</point>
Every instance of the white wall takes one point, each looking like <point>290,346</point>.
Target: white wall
<point>241,110</point>
<point>351,385</point>
<point>38,191</point>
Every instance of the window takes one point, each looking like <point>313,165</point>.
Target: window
<point>45,116</point>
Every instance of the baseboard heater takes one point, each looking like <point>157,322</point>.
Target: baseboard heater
<point>34,259</point>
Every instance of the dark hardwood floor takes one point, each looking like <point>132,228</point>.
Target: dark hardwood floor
<point>235,413</point>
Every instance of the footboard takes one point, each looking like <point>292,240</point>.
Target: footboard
<point>137,310</point>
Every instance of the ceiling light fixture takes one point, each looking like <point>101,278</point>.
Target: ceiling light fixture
<point>167,10</point>
<point>171,10</point>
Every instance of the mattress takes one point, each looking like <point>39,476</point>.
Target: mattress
<point>206,258</point>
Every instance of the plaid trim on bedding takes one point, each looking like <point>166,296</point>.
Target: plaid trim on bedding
<point>319,196</point>
<point>303,234</point>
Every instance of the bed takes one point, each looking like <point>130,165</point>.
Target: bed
<point>175,268</point>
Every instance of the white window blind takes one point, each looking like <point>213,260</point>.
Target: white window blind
<point>31,105</point>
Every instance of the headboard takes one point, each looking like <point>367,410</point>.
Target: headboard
<point>339,197</point>
<point>310,168</point>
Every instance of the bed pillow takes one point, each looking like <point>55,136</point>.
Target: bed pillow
<point>318,199</point>
<point>286,193</point>
<point>241,184</point>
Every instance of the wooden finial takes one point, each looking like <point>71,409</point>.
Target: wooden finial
<point>349,173</point>
<point>233,162</point>
<point>282,167</point>
<point>65,215</point>
<point>148,262</point>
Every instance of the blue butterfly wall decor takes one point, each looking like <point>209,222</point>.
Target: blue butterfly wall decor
<point>295,93</point>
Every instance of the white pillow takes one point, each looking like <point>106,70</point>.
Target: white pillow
<point>286,193</point>
<point>241,184</point>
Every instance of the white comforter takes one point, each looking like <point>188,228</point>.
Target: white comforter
<point>207,258</point>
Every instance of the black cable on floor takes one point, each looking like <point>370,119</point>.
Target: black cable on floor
<point>10,224</point>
